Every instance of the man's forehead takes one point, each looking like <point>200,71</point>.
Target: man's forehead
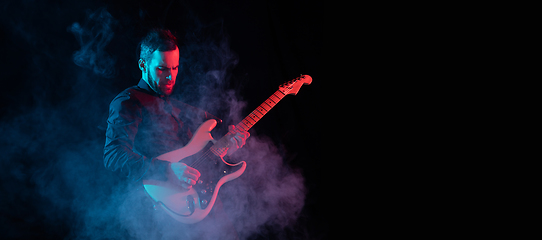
<point>166,57</point>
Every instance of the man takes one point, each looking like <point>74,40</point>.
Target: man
<point>144,122</point>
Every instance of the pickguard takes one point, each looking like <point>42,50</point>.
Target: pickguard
<point>194,204</point>
<point>212,169</point>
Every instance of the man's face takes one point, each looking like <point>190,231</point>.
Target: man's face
<point>162,71</point>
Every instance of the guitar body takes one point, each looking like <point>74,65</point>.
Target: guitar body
<point>194,204</point>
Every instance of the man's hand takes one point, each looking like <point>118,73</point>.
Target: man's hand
<point>188,176</point>
<point>237,137</point>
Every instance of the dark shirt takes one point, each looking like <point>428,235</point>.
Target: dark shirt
<point>143,125</point>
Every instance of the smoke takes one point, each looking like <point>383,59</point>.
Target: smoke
<point>93,37</point>
<point>54,149</point>
<point>206,63</point>
<point>269,193</point>
<point>52,171</point>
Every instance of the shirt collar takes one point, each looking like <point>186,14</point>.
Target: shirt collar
<point>143,85</point>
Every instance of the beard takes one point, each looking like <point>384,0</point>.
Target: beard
<point>154,83</point>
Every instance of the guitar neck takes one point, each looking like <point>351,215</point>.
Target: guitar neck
<point>249,121</point>
<point>260,111</point>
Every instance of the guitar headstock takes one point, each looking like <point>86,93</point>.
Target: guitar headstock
<point>293,86</point>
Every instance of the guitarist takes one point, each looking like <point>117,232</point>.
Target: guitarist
<point>144,122</point>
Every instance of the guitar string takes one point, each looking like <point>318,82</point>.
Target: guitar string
<point>206,155</point>
<point>200,159</point>
<point>209,152</point>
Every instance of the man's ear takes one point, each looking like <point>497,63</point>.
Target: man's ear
<point>141,64</point>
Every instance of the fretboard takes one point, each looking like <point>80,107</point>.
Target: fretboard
<point>250,120</point>
<point>260,111</point>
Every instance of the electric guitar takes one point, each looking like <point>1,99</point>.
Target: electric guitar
<point>202,153</point>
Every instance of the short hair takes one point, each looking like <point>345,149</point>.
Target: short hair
<point>157,39</point>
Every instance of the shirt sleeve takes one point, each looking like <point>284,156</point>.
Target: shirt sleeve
<point>125,115</point>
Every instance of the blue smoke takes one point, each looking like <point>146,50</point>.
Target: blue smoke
<point>93,37</point>
<point>54,148</point>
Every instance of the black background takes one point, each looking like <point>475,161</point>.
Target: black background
<point>48,103</point>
